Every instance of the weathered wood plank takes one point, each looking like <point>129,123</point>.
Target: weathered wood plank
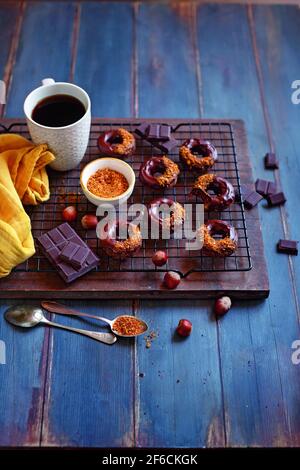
<point>180,397</point>
<point>8,17</point>
<point>22,382</point>
<point>278,61</point>
<point>23,374</point>
<point>89,393</point>
<point>40,53</point>
<point>104,59</point>
<point>167,82</point>
<point>277,36</point>
<point>11,20</point>
<point>260,382</point>
<point>44,50</point>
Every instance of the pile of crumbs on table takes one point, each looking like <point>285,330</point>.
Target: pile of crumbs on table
<point>70,198</point>
<point>149,338</point>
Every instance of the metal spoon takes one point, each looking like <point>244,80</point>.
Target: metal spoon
<point>26,317</point>
<point>55,307</point>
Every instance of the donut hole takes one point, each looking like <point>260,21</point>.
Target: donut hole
<point>199,151</point>
<point>162,211</point>
<point>218,234</point>
<point>213,189</point>
<point>115,139</point>
<point>157,170</point>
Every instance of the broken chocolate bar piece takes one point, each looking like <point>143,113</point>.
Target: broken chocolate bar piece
<point>272,188</point>
<point>79,257</point>
<point>165,132</point>
<point>153,132</point>
<point>159,135</point>
<point>245,190</point>
<point>54,242</point>
<point>265,187</point>
<point>271,162</point>
<point>276,199</point>
<point>289,247</point>
<point>261,187</point>
<point>167,146</point>
<point>142,129</point>
<point>68,251</point>
<point>252,200</point>
<point>158,132</point>
<point>74,254</point>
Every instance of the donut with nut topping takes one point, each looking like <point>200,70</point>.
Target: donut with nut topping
<point>198,154</point>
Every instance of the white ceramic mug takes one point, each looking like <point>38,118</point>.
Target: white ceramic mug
<point>68,143</point>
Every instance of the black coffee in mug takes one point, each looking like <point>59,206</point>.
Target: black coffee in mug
<point>58,111</point>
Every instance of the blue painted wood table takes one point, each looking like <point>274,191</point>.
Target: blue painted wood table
<point>233,382</point>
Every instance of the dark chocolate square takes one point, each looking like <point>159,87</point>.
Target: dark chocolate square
<point>79,257</point>
<point>252,200</point>
<point>261,187</point>
<point>165,132</point>
<point>265,187</point>
<point>289,247</point>
<point>167,146</point>
<point>271,162</point>
<point>69,251</point>
<point>276,199</point>
<point>272,188</point>
<point>141,130</point>
<point>56,237</point>
<point>153,131</point>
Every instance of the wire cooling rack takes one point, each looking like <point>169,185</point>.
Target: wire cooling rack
<point>65,190</point>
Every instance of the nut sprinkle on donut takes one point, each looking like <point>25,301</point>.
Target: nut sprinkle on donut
<point>221,247</point>
<point>159,172</point>
<point>117,143</point>
<point>223,192</point>
<point>198,154</point>
<point>118,248</point>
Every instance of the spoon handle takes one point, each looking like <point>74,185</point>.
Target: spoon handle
<point>55,307</point>
<point>107,338</point>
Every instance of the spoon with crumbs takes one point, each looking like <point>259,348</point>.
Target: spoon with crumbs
<point>126,326</point>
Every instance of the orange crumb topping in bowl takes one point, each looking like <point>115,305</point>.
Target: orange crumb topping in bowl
<point>107,183</point>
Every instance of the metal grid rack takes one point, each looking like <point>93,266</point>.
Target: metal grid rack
<point>65,190</point>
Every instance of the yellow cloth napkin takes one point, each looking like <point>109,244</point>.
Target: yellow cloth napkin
<point>23,179</point>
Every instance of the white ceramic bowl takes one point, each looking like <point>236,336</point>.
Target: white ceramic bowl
<point>113,164</point>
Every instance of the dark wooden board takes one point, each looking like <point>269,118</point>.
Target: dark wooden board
<point>246,284</point>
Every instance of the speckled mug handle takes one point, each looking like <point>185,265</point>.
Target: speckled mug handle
<point>48,81</point>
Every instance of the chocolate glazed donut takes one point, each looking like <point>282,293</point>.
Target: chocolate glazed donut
<point>159,172</point>
<point>117,143</point>
<point>222,247</point>
<point>224,192</point>
<point>115,247</point>
<point>198,154</point>
<point>177,215</point>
